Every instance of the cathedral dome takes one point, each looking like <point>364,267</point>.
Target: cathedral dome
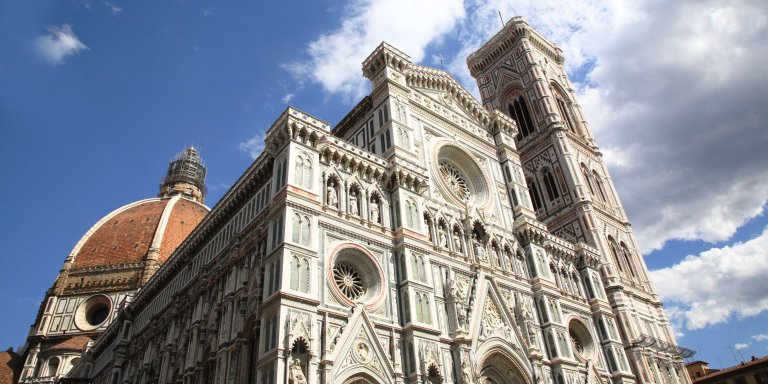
<point>150,228</point>
<point>148,231</point>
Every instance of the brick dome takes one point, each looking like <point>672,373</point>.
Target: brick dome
<point>132,233</point>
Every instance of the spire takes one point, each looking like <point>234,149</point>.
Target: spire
<point>185,176</point>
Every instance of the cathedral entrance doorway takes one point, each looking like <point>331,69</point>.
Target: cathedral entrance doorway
<point>499,369</point>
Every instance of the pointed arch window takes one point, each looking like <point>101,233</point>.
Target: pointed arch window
<point>303,171</point>
<point>615,252</point>
<point>518,111</point>
<point>533,191</point>
<point>599,185</point>
<point>587,178</point>
<point>565,113</point>
<point>628,258</point>
<point>550,185</point>
<point>53,366</point>
<point>300,229</point>
<point>300,274</point>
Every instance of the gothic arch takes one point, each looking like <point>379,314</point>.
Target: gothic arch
<point>498,364</point>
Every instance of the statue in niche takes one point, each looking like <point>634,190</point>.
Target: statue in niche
<point>456,241</point>
<point>333,199</point>
<point>353,208</point>
<point>479,250</point>
<point>442,240</point>
<point>296,373</point>
<point>496,257</point>
<point>375,211</point>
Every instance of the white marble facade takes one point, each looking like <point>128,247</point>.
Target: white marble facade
<point>428,237</point>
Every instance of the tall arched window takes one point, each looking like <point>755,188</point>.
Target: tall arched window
<point>53,366</point>
<point>518,110</point>
<point>550,185</point>
<point>587,179</point>
<point>565,113</point>
<point>303,171</point>
<point>419,268</point>
<point>534,192</point>
<point>615,253</point>
<point>300,274</point>
<point>628,258</point>
<point>599,185</point>
<point>300,229</point>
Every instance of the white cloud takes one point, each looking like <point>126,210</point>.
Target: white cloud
<point>716,285</point>
<point>740,346</point>
<point>674,95</point>
<point>335,58</point>
<point>253,146</point>
<point>114,8</point>
<point>760,337</point>
<point>288,97</point>
<point>59,43</point>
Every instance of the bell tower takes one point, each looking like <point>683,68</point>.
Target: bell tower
<point>521,73</point>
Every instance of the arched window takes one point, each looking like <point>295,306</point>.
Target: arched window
<point>296,228</point>
<point>300,229</point>
<point>587,179</point>
<point>628,258</point>
<point>419,268</point>
<point>305,230</point>
<point>615,253</point>
<point>518,111</point>
<point>403,139</point>
<point>53,366</point>
<point>550,185</point>
<point>411,214</point>
<point>303,171</point>
<point>300,274</point>
<point>565,113</point>
<point>599,184</point>
<point>534,192</point>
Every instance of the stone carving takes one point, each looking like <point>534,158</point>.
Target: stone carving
<point>456,241</point>
<point>442,239</point>
<point>479,250</point>
<point>332,197</point>
<point>374,211</point>
<point>296,373</point>
<point>353,207</point>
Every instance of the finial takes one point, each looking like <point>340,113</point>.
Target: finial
<point>185,176</point>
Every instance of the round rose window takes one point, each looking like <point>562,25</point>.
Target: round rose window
<point>355,276</point>
<point>348,280</point>
<point>458,176</point>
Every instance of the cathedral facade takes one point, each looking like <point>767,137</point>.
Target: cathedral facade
<point>426,238</point>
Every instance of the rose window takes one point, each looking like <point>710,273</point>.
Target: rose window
<point>354,276</point>
<point>454,180</point>
<point>349,280</point>
<point>458,176</point>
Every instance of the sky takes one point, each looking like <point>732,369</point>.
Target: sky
<point>96,96</point>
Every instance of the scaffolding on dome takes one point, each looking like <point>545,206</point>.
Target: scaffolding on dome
<point>186,167</point>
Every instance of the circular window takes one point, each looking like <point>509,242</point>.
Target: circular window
<point>460,178</point>
<point>348,280</point>
<point>354,276</point>
<point>581,340</point>
<point>93,312</point>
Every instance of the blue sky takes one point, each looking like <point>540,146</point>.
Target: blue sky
<point>96,96</point>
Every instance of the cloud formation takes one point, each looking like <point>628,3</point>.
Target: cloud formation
<point>716,285</point>
<point>672,93</point>
<point>740,346</point>
<point>253,146</point>
<point>335,58</point>
<point>760,337</point>
<point>59,43</point>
